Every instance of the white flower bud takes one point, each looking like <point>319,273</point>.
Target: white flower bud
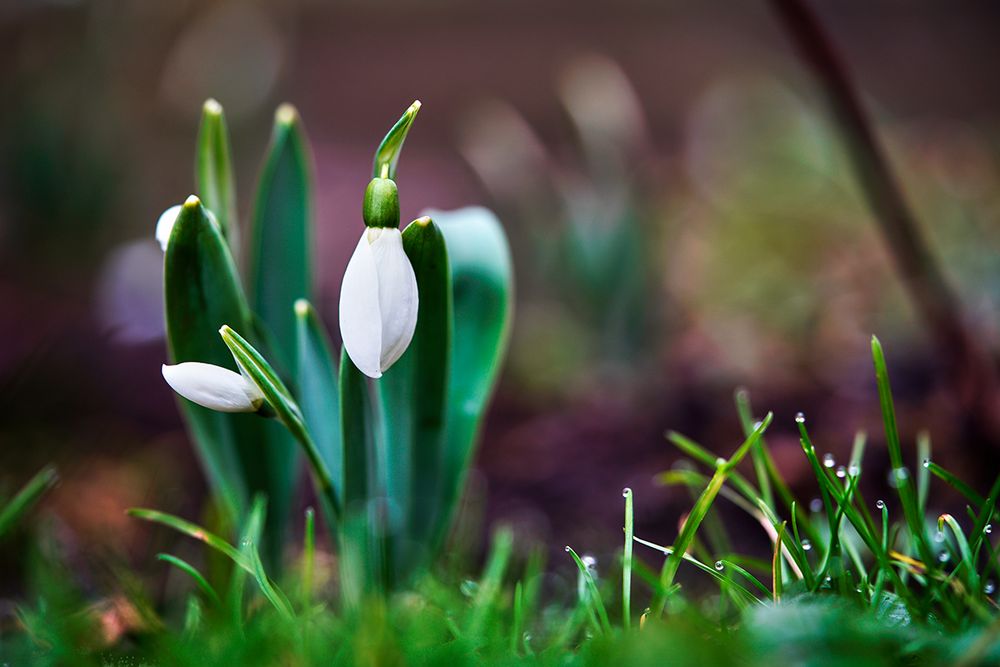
<point>165,225</point>
<point>378,301</point>
<point>213,387</point>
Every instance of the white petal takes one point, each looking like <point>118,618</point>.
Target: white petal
<point>165,225</point>
<point>213,387</point>
<point>397,294</point>
<point>360,318</point>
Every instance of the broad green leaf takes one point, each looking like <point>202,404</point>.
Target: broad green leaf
<point>280,259</point>
<point>214,171</point>
<point>387,155</point>
<point>202,291</point>
<point>357,419</point>
<point>26,498</point>
<point>414,390</point>
<point>482,289</point>
<point>319,391</point>
<point>280,272</point>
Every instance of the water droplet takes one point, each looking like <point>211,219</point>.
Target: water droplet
<point>880,504</point>
<point>943,557</point>
<point>469,588</point>
<point>246,543</point>
<point>806,545</point>
<point>939,537</point>
<point>828,460</point>
<point>828,579</point>
<point>589,562</point>
<point>800,417</point>
<point>898,477</point>
<point>757,425</point>
<point>720,461</point>
<point>988,528</point>
<point>567,549</point>
<point>927,463</point>
<point>854,470</point>
<point>841,472</point>
<point>815,505</point>
<point>989,588</point>
<point>625,492</point>
<point>719,565</point>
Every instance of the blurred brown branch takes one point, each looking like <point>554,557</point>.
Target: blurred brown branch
<point>970,365</point>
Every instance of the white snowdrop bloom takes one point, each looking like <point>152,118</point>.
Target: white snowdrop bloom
<point>213,387</point>
<point>165,225</point>
<point>378,297</point>
<point>378,301</point>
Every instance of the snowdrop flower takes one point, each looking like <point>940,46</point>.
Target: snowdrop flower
<point>165,225</point>
<point>378,297</point>
<point>213,387</point>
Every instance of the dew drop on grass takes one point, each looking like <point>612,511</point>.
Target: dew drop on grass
<point>566,548</point>
<point>880,504</point>
<point>719,565</point>
<point>625,492</point>
<point>828,460</point>
<point>815,505</point>
<point>943,556</point>
<point>988,528</point>
<point>854,470</point>
<point>989,588</point>
<point>898,477</point>
<point>469,588</point>
<point>800,417</point>
<point>806,545</point>
<point>719,462</point>
<point>939,537</point>
<point>841,472</point>
<point>927,463</point>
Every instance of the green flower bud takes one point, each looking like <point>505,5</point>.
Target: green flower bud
<point>381,206</point>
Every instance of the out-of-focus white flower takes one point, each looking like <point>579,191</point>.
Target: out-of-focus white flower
<point>213,387</point>
<point>378,301</point>
<point>165,225</point>
<point>167,220</point>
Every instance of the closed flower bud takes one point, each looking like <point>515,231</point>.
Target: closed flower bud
<point>378,301</point>
<point>213,387</point>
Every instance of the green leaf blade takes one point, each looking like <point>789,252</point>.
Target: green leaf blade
<point>387,155</point>
<point>214,171</point>
<point>319,390</point>
<point>202,291</point>
<point>482,293</point>
<point>414,390</point>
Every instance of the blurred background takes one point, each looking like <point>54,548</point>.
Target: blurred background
<point>682,212</point>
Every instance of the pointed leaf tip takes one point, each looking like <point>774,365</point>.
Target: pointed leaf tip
<point>212,107</point>
<point>286,114</point>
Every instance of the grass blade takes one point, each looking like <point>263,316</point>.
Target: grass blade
<point>700,509</point>
<point>627,561</point>
<point>195,575</point>
<point>27,497</point>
